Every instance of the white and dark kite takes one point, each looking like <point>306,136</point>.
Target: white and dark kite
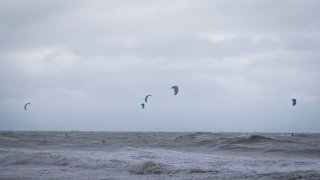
<point>25,106</point>
<point>176,89</point>
<point>146,98</point>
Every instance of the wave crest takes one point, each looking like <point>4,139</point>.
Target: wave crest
<point>20,158</point>
<point>150,167</point>
<point>255,138</point>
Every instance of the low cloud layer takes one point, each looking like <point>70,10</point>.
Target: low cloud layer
<point>88,65</point>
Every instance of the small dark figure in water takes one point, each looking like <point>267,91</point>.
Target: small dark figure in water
<point>66,135</point>
<point>291,134</point>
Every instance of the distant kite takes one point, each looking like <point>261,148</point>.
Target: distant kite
<point>176,89</point>
<point>25,106</point>
<point>142,105</point>
<point>146,98</point>
<point>294,102</point>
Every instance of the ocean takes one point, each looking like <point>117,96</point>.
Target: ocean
<point>158,155</point>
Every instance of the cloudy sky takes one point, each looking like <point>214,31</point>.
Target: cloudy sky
<point>87,65</point>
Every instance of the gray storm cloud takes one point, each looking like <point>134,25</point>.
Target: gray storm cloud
<point>88,65</point>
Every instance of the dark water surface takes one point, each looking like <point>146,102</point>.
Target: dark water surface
<point>158,155</point>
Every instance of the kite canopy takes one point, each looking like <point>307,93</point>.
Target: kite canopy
<point>176,89</point>
<point>142,105</point>
<point>25,106</point>
<point>146,98</point>
<point>294,102</point>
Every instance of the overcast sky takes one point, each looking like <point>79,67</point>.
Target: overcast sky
<point>87,65</point>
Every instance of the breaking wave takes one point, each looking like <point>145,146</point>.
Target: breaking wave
<point>150,167</point>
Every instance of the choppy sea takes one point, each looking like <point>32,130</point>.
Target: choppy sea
<point>158,155</point>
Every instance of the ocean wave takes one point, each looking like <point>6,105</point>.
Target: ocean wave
<point>238,148</point>
<point>151,161</point>
<point>186,137</point>
<point>254,138</point>
<point>245,143</point>
<point>40,158</point>
<point>196,140</point>
<point>166,162</point>
<point>212,140</point>
<point>9,138</point>
<point>150,167</point>
<point>74,159</point>
<point>305,152</point>
<point>200,170</point>
<point>256,143</point>
<point>302,135</point>
<point>310,175</point>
